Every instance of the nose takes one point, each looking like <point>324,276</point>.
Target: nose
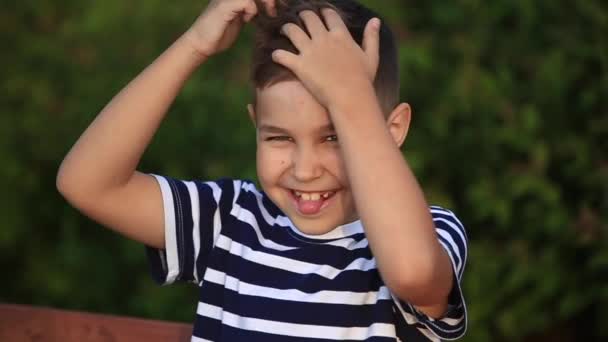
<point>306,164</point>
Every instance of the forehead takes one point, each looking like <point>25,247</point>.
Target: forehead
<point>288,103</point>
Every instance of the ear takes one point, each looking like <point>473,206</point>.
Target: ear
<point>252,114</point>
<point>398,122</point>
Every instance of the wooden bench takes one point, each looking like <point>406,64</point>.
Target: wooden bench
<point>22,323</point>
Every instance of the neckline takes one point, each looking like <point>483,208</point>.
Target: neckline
<point>342,231</point>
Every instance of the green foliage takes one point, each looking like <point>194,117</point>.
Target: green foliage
<point>510,130</point>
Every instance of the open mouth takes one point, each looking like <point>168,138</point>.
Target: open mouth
<point>311,202</point>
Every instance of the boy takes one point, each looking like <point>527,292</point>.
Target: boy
<point>341,245</point>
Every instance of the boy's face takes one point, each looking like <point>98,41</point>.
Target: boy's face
<point>299,163</point>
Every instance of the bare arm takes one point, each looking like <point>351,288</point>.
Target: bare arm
<point>100,168</point>
<point>98,176</point>
<point>392,206</point>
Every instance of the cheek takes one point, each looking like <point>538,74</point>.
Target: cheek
<point>271,163</point>
<point>334,163</point>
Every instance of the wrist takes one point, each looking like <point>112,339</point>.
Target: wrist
<point>188,41</point>
<point>357,97</point>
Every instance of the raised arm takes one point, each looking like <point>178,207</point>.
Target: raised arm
<point>98,176</point>
<point>389,201</point>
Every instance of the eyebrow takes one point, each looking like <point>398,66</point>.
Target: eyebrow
<point>272,129</point>
<point>275,129</point>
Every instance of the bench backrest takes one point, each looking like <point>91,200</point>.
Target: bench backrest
<point>30,323</point>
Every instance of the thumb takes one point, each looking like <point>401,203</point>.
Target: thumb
<point>371,43</point>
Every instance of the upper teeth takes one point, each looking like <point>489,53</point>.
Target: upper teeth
<point>312,196</point>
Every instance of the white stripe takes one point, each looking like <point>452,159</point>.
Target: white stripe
<point>247,216</point>
<point>170,233</point>
<point>198,339</point>
<point>296,266</point>
<point>460,230</point>
<point>457,228</point>
<point>454,227</point>
<point>293,329</point>
<point>196,231</point>
<point>325,297</point>
<point>444,211</point>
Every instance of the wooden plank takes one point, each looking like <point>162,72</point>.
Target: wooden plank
<point>30,323</point>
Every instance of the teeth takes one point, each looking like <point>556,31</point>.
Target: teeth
<point>312,196</point>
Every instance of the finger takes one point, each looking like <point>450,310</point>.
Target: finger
<point>296,35</point>
<point>250,10</point>
<point>271,8</point>
<point>333,20</point>
<point>313,23</point>
<point>285,58</point>
<point>371,42</point>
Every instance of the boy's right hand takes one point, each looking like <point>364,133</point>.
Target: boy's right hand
<point>216,29</point>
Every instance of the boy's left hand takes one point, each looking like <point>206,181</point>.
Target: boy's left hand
<point>331,65</point>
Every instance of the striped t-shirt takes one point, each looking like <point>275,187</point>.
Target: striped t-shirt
<point>261,279</point>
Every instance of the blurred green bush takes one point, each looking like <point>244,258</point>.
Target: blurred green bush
<point>510,130</point>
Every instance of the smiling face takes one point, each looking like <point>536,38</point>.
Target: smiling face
<point>299,163</point>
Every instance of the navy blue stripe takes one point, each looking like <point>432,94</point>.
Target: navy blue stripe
<point>209,329</point>
<point>439,224</point>
<point>158,269</point>
<point>226,200</point>
<point>455,298</point>
<point>443,226</point>
<point>214,330</point>
<point>450,216</point>
<point>184,224</point>
<point>207,208</point>
<point>254,273</point>
<point>320,254</point>
<point>339,315</point>
<point>406,332</point>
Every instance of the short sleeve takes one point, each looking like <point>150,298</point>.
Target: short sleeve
<point>192,214</point>
<point>452,237</point>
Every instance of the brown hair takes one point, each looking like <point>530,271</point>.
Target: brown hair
<point>265,72</point>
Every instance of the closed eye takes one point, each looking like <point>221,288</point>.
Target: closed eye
<point>279,138</point>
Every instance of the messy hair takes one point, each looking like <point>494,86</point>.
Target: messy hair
<point>265,72</point>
